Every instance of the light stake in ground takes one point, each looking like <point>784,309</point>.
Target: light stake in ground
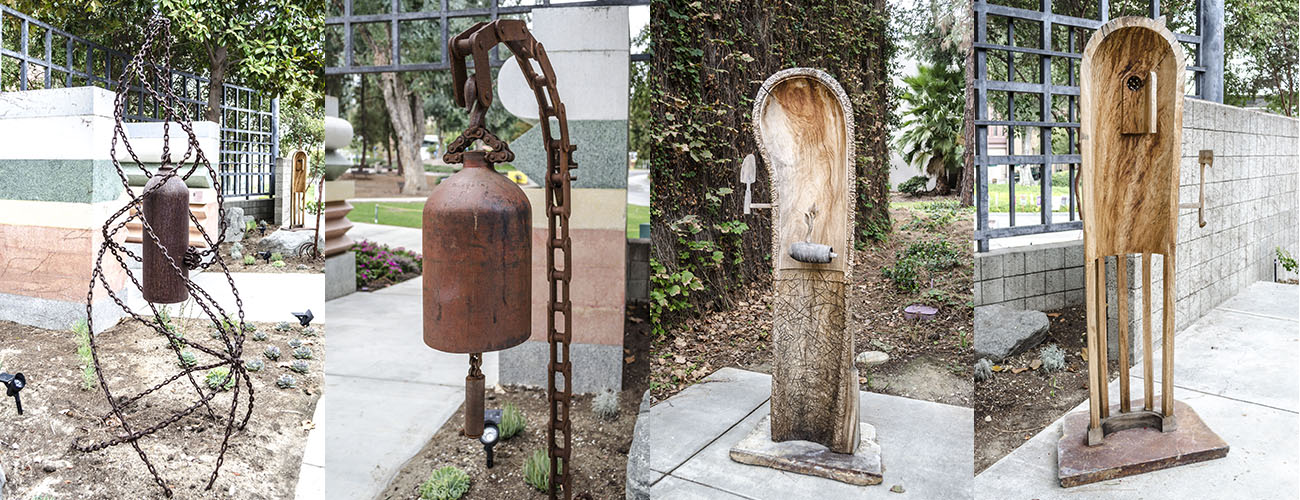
<point>1131,102</point>
<point>803,124</point>
<point>477,238</point>
<point>14,384</point>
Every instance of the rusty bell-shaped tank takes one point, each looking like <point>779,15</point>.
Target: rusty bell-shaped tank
<point>167,211</point>
<point>477,261</point>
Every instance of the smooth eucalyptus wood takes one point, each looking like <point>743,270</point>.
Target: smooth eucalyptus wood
<point>1121,300</point>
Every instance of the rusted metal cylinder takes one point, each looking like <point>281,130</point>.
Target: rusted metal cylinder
<point>477,261</point>
<point>474,406</point>
<point>166,210</point>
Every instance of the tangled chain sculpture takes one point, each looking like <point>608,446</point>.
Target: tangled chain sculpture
<point>150,67</point>
<point>474,92</point>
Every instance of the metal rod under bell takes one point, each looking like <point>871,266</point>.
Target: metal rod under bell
<point>474,397</point>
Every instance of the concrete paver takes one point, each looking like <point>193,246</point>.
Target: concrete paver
<point>393,236</point>
<point>925,446</point>
<point>266,296</point>
<point>1235,367</point>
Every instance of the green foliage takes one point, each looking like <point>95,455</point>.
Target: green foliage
<point>302,353</point>
<point>249,260</point>
<point>299,366</point>
<point>271,352</point>
<point>1260,54</point>
<point>932,125</point>
<point>1288,262</point>
<point>936,215</point>
<point>904,274</point>
<point>277,257</point>
<point>379,265</point>
<point>447,483</point>
<point>669,292</point>
<point>605,405</point>
<point>537,470</point>
<point>188,359</point>
<point>914,186</point>
<point>259,336</point>
<point>278,263</point>
<point>254,365</point>
<point>89,379</point>
<point>250,225</point>
<point>932,256</point>
<point>1053,358</point>
<point>512,421</point>
<point>219,379</point>
<point>286,381</point>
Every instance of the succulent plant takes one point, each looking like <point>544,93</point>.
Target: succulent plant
<point>254,365</point>
<point>277,263</point>
<point>188,359</point>
<point>605,405</point>
<point>259,335</point>
<point>309,331</point>
<point>219,379</point>
<point>299,366</point>
<point>1053,358</point>
<point>286,381</point>
<point>272,353</point>
<point>277,257</point>
<point>512,421</point>
<point>283,326</point>
<point>447,483</point>
<point>983,370</point>
<point>302,353</point>
<point>295,343</point>
<point>250,260</point>
<point>537,470</point>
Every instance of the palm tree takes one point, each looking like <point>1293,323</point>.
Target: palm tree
<point>932,125</point>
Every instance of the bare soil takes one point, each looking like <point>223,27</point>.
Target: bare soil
<point>252,245</point>
<point>36,450</point>
<point>929,360</point>
<point>600,446</point>
<point>1020,401</point>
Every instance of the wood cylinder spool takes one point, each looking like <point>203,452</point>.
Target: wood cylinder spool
<point>1131,105</point>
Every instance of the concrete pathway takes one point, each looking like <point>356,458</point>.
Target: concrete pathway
<point>393,236</point>
<point>386,393</point>
<point>682,445</point>
<point>266,296</point>
<point>638,187</point>
<point>1235,367</point>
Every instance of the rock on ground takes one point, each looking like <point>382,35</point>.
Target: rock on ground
<point>1001,332</point>
<point>289,243</point>
<point>234,224</point>
<point>869,359</point>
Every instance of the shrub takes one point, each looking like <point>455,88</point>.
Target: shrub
<point>249,260</point>
<point>447,483</point>
<point>512,421</point>
<point>903,274</point>
<point>272,352</point>
<point>277,257</point>
<point>605,404</point>
<point>89,380</point>
<point>188,359</point>
<point>302,353</point>
<point>983,370</point>
<point>1053,358</point>
<point>286,381</point>
<point>1288,262</point>
<point>219,379</point>
<point>914,186</point>
<point>277,263</point>
<point>299,366</point>
<point>537,470</point>
<point>254,365</point>
<point>379,265</point>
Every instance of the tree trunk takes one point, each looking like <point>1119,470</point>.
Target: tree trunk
<point>967,186</point>
<point>218,63</point>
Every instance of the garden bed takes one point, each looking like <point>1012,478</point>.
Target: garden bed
<point>600,446</point>
<point>36,452</point>
<point>252,245</point>
<point>929,360</point>
<point>380,266</point>
<point>1012,407</point>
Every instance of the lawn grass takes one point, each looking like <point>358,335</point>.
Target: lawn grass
<point>998,197</point>
<point>411,213</point>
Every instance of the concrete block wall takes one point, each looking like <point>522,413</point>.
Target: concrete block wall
<point>1251,209</point>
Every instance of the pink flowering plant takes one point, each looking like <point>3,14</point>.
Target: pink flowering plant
<point>379,265</point>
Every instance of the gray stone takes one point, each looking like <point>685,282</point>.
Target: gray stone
<point>233,223</point>
<point>870,359</point>
<point>340,275</point>
<point>596,367</point>
<point>289,243</point>
<point>862,468</point>
<point>639,475</point>
<point>1002,332</point>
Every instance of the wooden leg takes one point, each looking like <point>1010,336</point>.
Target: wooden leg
<point>1148,371</point>
<point>1103,350</point>
<point>1090,299</point>
<point>1121,300</point>
<point>1167,341</point>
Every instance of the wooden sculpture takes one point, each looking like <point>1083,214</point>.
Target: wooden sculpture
<point>804,127</point>
<point>1131,104</point>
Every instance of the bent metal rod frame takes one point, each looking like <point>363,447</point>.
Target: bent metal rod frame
<point>230,334</point>
<point>474,92</point>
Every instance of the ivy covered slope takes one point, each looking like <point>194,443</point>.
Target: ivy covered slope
<point>709,60</point>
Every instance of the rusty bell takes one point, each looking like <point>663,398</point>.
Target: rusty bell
<point>477,261</point>
<point>167,210</point>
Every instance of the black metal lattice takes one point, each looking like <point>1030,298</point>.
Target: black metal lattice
<point>1012,103</point>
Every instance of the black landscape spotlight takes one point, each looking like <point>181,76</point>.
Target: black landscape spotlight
<point>15,383</point>
<point>304,318</point>
<point>491,433</point>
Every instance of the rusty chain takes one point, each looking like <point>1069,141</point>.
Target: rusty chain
<point>153,59</point>
<point>474,92</point>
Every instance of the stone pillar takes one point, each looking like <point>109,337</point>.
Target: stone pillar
<point>340,260</point>
<point>147,143</point>
<point>59,187</point>
<point>591,71</point>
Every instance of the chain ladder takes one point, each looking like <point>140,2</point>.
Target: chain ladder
<point>149,62</point>
<point>474,92</point>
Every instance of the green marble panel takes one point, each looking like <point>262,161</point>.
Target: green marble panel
<point>74,181</point>
<point>601,154</point>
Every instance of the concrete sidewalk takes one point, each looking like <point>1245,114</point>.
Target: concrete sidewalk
<point>393,236</point>
<point>266,296</point>
<point>386,393</point>
<point>682,445</point>
<point>1235,367</point>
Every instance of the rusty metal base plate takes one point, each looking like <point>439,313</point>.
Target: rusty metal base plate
<point>1133,451</point>
<point>805,457</point>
